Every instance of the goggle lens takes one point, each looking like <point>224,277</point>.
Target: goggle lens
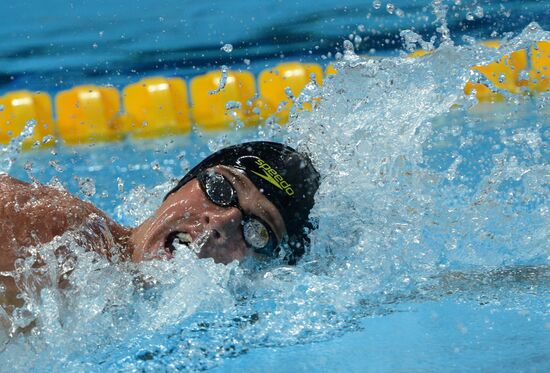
<point>219,190</point>
<point>255,233</point>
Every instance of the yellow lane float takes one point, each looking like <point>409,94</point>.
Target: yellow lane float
<point>88,114</point>
<point>21,107</point>
<point>518,72</point>
<point>158,106</point>
<point>284,80</point>
<point>219,99</point>
<point>155,107</point>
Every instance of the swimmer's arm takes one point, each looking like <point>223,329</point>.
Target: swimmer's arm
<point>33,214</point>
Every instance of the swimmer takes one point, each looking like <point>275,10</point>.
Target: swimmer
<point>251,199</point>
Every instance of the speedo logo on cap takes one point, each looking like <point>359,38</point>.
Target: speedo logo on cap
<point>271,175</point>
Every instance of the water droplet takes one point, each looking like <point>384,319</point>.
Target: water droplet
<point>399,12</point>
<point>120,184</point>
<point>246,61</point>
<point>376,4</point>
<point>390,8</point>
<point>501,78</point>
<point>468,39</point>
<point>478,12</point>
<point>228,48</point>
<point>361,28</point>
<point>288,93</point>
<point>469,16</point>
<point>1,107</point>
<point>348,46</point>
<point>229,105</point>
<point>46,139</point>
<point>57,167</point>
<point>524,75</point>
<point>86,186</point>
<point>223,81</point>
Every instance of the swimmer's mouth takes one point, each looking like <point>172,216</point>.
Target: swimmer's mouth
<point>179,238</point>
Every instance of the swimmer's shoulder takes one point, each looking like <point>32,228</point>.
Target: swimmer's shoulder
<point>47,212</point>
<point>6,181</point>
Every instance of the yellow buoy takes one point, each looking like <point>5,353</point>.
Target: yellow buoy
<point>156,106</point>
<point>219,99</point>
<point>88,114</point>
<point>276,84</point>
<point>19,108</point>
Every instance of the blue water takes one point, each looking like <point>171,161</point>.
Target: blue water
<point>450,335</point>
<point>434,216</point>
<point>55,47</point>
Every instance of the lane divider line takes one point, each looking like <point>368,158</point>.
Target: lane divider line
<point>159,106</point>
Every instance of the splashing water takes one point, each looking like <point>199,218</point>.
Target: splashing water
<point>9,153</point>
<point>223,81</point>
<point>423,195</point>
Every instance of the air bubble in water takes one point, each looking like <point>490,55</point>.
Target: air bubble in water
<point>376,4</point>
<point>501,78</point>
<point>390,8</point>
<point>228,48</point>
<point>469,16</point>
<point>399,12</point>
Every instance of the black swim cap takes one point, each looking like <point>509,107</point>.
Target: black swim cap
<point>286,177</point>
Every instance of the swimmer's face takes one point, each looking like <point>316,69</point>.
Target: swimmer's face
<point>188,214</point>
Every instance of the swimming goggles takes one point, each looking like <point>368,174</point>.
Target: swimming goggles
<point>256,233</point>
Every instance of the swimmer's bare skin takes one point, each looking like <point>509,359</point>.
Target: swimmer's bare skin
<point>31,215</point>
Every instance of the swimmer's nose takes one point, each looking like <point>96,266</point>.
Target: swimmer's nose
<point>226,243</point>
<point>225,223</point>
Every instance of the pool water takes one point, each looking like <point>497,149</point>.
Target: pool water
<point>431,252</point>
